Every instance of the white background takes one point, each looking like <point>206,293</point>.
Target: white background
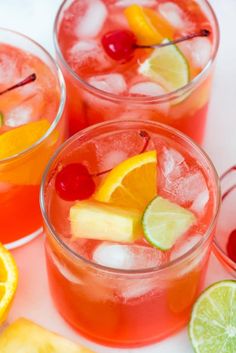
<point>35,18</point>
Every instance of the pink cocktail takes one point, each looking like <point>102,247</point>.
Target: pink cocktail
<point>32,98</point>
<point>107,78</point>
<point>106,277</point>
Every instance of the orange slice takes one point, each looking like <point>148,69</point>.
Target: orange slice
<point>132,183</point>
<point>21,138</point>
<point>148,26</point>
<point>8,281</point>
<point>28,168</point>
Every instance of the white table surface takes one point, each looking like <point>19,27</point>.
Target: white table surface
<point>35,18</point>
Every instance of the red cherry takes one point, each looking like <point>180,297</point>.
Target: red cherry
<point>74,182</point>
<point>119,45</point>
<point>231,246</point>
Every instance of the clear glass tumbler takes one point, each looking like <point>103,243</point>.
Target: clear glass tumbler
<point>41,100</point>
<point>122,307</point>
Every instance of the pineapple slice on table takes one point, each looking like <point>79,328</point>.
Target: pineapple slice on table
<point>24,336</point>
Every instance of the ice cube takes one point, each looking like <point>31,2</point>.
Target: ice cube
<point>150,89</point>
<point>181,183</point>
<point>19,116</point>
<point>93,20</point>
<point>176,16</point>
<point>191,186</point>
<point>112,83</point>
<point>171,161</point>
<point>64,270</point>
<point>126,3</point>
<point>88,53</point>
<point>8,70</point>
<point>127,257</point>
<point>112,158</point>
<point>137,288</point>
<point>185,245</point>
<point>201,49</point>
<point>201,201</point>
<point>147,89</point>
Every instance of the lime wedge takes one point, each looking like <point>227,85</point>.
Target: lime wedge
<point>164,222</point>
<point>212,328</point>
<point>168,66</point>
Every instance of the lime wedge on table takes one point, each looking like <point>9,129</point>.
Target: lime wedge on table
<point>212,327</point>
<point>164,222</point>
<point>168,66</point>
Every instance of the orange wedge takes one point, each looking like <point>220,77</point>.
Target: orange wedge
<point>21,138</point>
<point>8,281</point>
<point>132,183</point>
<point>148,26</point>
<point>28,168</point>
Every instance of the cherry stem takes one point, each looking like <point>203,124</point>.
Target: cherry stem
<point>26,81</point>
<point>201,33</point>
<point>142,134</point>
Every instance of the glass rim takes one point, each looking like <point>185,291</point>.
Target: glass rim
<point>62,88</point>
<point>224,259</point>
<point>141,100</point>
<point>222,256</point>
<point>155,269</point>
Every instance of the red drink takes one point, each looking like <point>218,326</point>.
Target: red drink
<point>112,287</point>
<point>101,88</point>
<point>31,129</point>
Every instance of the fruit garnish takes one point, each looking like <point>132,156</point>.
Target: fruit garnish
<point>132,183</point>
<point>168,67</point>
<point>74,182</point>
<point>231,246</point>
<point>108,222</point>
<point>8,282</point>
<point>148,27</point>
<point>26,81</point>
<point>27,337</point>
<point>21,138</point>
<point>212,327</point>
<point>119,45</point>
<point>164,222</point>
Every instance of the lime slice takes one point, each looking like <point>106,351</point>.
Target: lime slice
<point>164,222</point>
<point>168,66</point>
<point>212,328</point>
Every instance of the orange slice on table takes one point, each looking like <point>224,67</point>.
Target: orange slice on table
<point>148,26</point>
<point>132,183</point>
<point>28,168</point>
<point>8,281</point>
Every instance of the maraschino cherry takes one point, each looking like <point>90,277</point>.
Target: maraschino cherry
<point>231,246</point>
<point>74,182</point>
<point>120,45</point>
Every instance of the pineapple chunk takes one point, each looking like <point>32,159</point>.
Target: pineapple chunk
<point>24,336</point>
<point>97,220</point>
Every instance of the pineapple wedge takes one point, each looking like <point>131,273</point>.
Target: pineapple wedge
<point>97,220</point>
<point>24,336</point>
